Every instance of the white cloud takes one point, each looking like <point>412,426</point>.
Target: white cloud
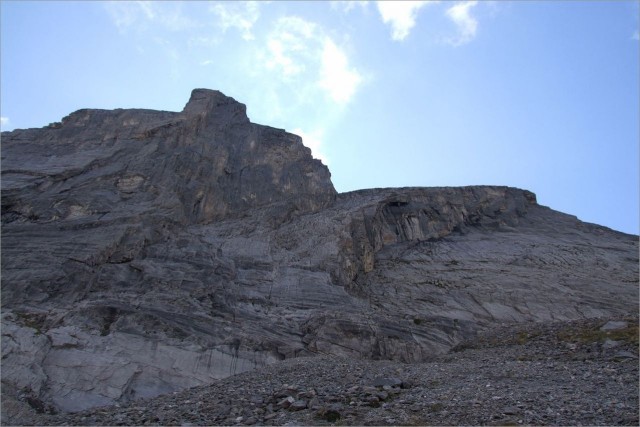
<point>304,56</point>
<point>239,15</point>
<point>467,25</point>
<point>313,140</point>
<point>124,14</point>
<point>401,15</point>
<point>336,77</point>
<point>291,45</point>
<point>635,35</point>
<point>139,15</point>
<point>4,122</point>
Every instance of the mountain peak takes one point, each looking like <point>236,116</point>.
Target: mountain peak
<point>216,106</point>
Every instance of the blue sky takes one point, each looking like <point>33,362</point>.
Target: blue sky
<point>537,95</point>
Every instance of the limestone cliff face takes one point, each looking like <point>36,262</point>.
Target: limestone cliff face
<point>203,164</point>
<point>146,251</point>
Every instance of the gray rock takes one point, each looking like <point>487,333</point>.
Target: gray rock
<point>511,410</point>
<point>24,351</point>
<point>624,355</point>
<point>387,381</point>
<point>537,381</point>
<point>331,413</point>
<point>298,405</point>
<point>314,403</point>
<point>146,252</point>
<point>286,402</point>
<point>382,395</point>
<point>613,325</point>
<point>610,344</point>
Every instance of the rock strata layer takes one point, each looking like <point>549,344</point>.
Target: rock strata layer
<point>145,252</point>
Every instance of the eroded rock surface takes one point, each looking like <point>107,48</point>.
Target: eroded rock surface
<point>145,252</point>
<point>557,373</point>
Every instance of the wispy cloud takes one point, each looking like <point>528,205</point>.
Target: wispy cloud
<point>239,15</point>
<point>125,14</point>
<point>303,70</point>
<point>291,45</point>
<point>293,68</point>
<point>635,35</point>
<point>302,52</point>
<point>4,122</point>
<point>164,24</point>
<point>141,15</point>
<point>337,77</point>
<point>467,25</point>
<point>400,15</point>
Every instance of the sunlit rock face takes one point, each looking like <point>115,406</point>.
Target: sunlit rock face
<point>148,251</point>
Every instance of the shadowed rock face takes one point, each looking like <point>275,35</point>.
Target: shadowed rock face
<point>145,252</point>
<point>203,164</point>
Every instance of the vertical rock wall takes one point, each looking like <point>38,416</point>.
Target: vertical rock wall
<point>148,251</point>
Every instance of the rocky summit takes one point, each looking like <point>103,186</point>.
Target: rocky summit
<point>149,252</point>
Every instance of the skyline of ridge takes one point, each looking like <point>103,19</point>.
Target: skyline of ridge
<point>542,96</point>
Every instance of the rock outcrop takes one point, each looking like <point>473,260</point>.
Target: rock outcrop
<point>145,252</point>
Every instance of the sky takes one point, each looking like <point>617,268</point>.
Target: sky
<point>542,96</point>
